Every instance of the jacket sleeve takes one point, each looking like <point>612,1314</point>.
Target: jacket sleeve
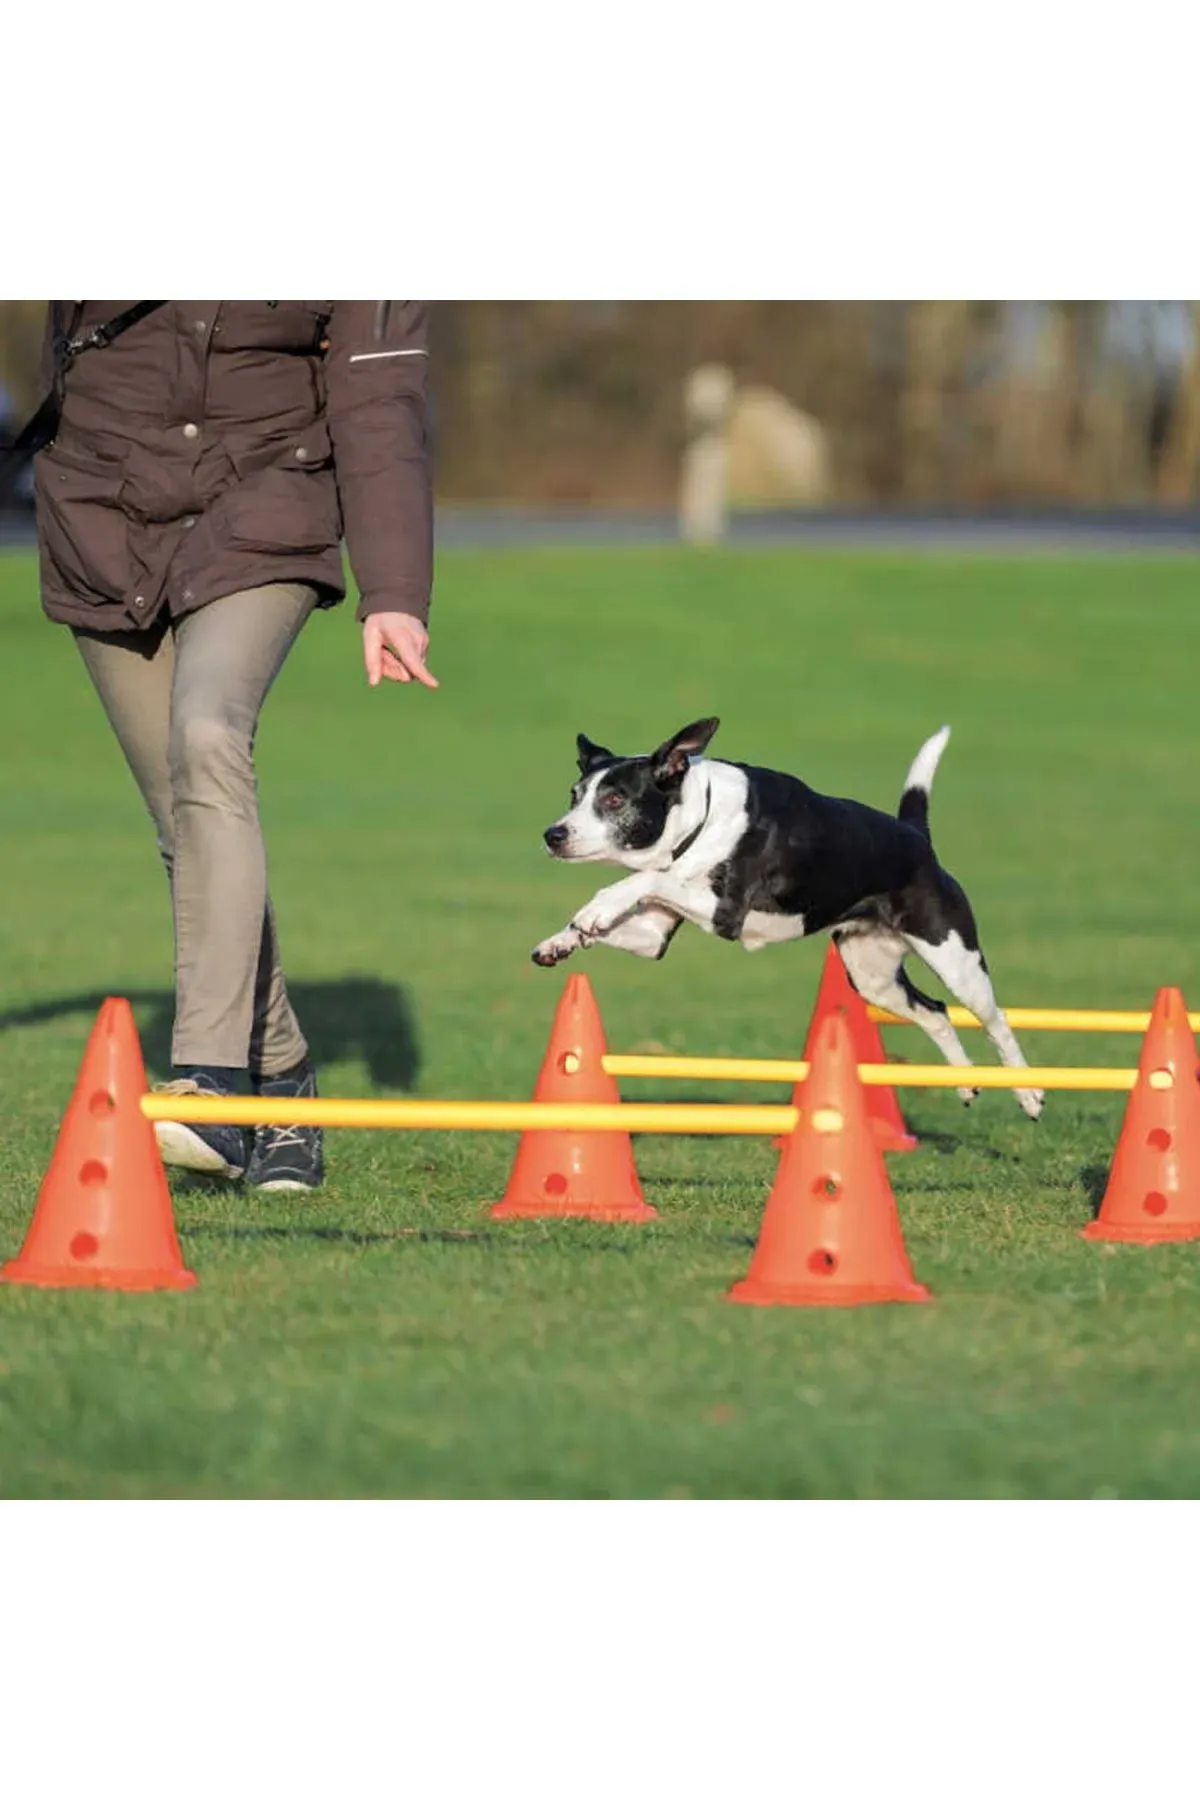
<point>376,377</point>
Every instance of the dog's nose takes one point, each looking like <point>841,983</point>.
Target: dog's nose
<point>556,837</point>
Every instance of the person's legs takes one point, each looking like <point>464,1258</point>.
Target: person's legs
<point>157,711</point>
<point>184,706</point>
<point>232,1009</point>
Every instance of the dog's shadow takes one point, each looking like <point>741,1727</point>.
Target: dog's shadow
<point>358,1017</point>
<point>947,1144</point>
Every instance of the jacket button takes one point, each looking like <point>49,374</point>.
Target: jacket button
<point>188,522</point>
<point>200,325</point>
<point>139,600</point>
<point>188,594</point>
<point>302,454</point>
<point>191,431</point>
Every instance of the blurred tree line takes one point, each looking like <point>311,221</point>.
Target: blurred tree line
<point>926,403</point>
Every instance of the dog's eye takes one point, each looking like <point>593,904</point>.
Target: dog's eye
<point>612,802</point>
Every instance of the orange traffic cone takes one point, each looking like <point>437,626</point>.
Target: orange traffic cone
<point>830,1233</point>
<point>1153,1193</point>
<point>574,1174</point>
<point>103,1216</point>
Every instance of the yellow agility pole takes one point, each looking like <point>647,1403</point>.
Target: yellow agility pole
<point>917,1075</point>
<point>1042,1018</point>
<point>472,1115</point>
<point>527,1115</point>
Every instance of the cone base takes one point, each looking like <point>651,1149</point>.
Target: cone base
<point>628,1212</point>
<point>769,1293</point>
<point>132,1281</point>
<point>1099,1232</point>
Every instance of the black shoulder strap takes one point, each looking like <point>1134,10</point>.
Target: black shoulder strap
<point>42,428</point>
<point>100,335</point>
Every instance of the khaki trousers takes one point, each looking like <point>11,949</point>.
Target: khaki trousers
<point>184,706</point>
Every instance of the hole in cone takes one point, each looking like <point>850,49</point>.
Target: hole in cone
<point>101,1104</point>
<point>1158,1139</point>
<point>1161,1078</point>
<point>83,1246</point>
<point>827,1187</point>
<point>827,1118</point>
<point>568,1063</point>
<point>1155,1204</point>
<point>93,1173</point>
<point>555,1185</point>
<point>822,1262</point>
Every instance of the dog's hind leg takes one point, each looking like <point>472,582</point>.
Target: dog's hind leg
<point>965,973</point>
<point>875,964</point>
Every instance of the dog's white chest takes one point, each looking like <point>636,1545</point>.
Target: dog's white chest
<point>763,928</point>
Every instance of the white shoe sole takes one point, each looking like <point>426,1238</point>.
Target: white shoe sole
<point>182,1149</point>
<point>283,1187</point>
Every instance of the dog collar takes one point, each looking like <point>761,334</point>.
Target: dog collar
<point>691,837</point>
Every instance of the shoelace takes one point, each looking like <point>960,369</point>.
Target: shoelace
<point>285,1137</point>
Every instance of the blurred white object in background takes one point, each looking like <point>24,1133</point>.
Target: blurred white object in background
<point>745,447</point>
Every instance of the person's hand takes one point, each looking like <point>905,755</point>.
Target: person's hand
<point>394,646</point>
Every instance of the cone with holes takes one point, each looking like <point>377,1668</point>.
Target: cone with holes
<point>830,1233</point>
<point>575,1174</point>
<point>1153,1193</point>
<point>103,1216</point>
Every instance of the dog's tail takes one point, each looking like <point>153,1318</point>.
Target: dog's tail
<point>914,801</point>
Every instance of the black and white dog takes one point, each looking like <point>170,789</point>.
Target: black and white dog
<point>758,857</point>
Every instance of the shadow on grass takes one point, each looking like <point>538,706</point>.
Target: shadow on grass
<point>682,1183</point>
<point>357,1017</point>
<point>948,1143</point>
<point>335,1234</point>
<point>1093,1178</point>
<point>424,1234</point>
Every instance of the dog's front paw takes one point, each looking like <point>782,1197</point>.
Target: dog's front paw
<point>556,949</point>
<point>1032,1101</point>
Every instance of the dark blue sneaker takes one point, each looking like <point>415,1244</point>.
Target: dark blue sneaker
<point>287,1158</point>
<point>206,1149</point>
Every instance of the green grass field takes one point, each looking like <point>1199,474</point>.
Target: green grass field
<point>388,1338</point>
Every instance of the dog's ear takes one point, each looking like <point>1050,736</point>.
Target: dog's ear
<point>670,760</point>
<point>591,755</point>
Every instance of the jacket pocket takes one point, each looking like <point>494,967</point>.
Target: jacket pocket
<point>305,448</point>
<point>82,526</point>
<point>289,509</point>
